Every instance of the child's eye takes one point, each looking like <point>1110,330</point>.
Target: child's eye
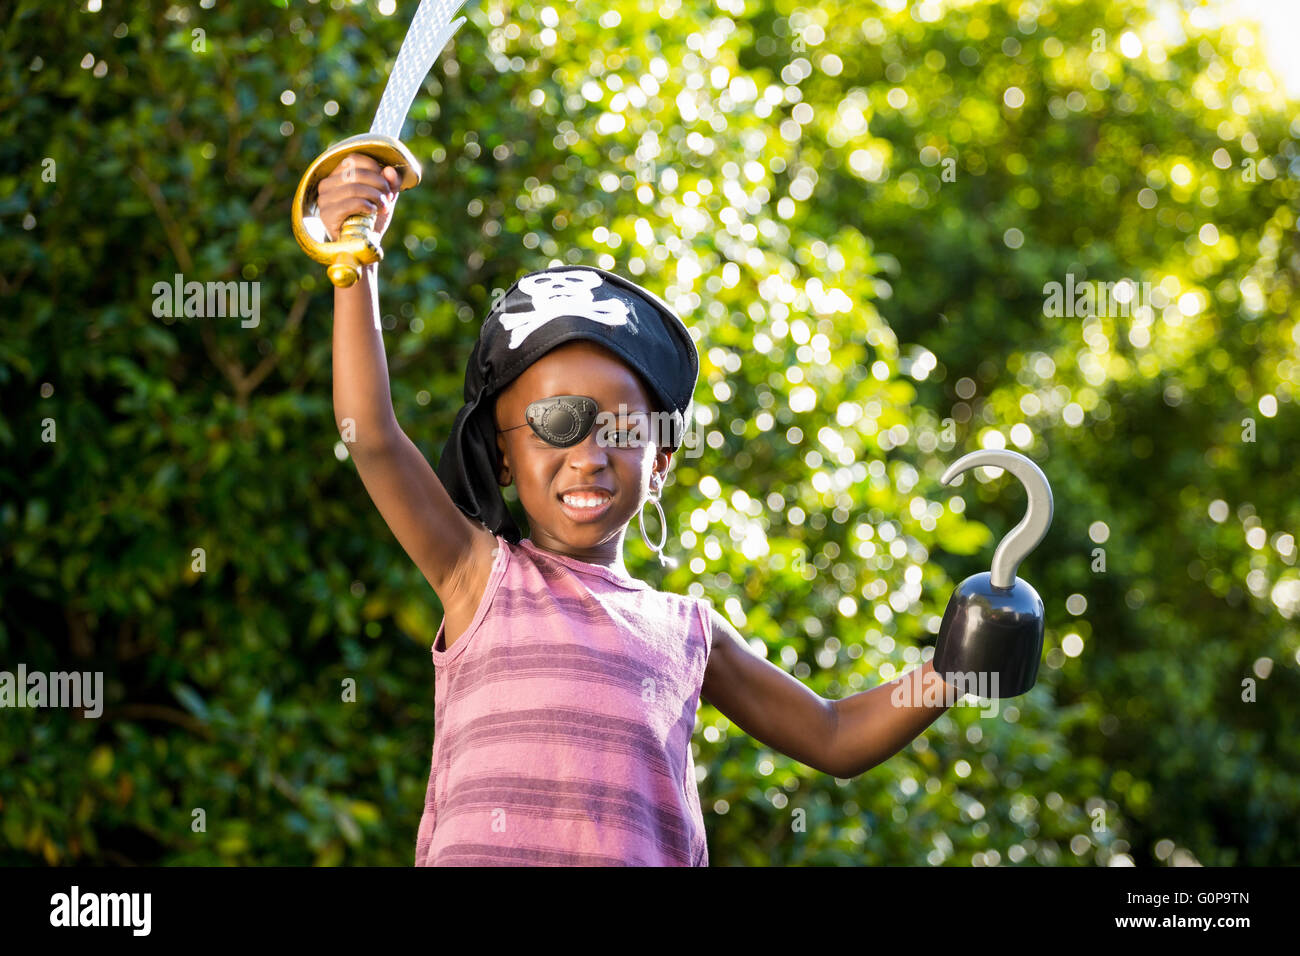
<point>630,435</point>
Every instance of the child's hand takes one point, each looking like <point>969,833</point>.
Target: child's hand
<point>358,185</point>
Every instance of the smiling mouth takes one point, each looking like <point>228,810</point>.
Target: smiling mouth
<point>586,505</point>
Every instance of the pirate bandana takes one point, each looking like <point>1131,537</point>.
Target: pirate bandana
<point>540,311</point>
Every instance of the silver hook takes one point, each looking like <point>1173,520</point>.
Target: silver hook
<point>1024,537</point>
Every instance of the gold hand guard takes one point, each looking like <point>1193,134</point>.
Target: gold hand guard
<point>357,245</point>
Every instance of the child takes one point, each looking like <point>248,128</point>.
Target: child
<point>565,688</point>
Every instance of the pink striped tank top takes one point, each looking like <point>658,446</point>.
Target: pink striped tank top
<point>563,719</point>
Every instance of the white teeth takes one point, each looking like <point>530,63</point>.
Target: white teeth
<point>583,501</point>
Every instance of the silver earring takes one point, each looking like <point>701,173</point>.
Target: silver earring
<point>663,531</point>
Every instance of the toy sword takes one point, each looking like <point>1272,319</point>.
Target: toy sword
<point>358,244</point>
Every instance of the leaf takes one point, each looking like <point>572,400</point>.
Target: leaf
<point>967,538</point>
<point>191,701</point>
<point>101,761</point>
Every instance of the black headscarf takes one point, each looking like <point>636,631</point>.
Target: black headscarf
<point>537,313</point>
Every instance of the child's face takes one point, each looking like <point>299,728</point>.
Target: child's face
<point>543,473</point>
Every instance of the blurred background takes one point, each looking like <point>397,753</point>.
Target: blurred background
<point>860,209</point>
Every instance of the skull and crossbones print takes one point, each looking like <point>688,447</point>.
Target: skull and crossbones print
<point>554,294</point>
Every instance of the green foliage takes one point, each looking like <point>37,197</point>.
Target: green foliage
<point>858,218</point>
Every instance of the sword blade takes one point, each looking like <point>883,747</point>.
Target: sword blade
<point>430,29</point>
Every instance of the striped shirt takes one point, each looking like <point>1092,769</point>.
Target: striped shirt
<point>563,719</point>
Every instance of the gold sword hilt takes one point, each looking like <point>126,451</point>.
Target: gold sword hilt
<point>357,244</point>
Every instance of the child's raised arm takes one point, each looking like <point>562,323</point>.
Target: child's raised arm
<point>451,552</point>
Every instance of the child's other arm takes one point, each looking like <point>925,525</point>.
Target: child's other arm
<point>843,737</point>
<point>437,536</point>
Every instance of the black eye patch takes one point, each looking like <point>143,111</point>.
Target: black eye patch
<point>561,420</point>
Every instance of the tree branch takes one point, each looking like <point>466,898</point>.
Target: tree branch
<point>11,288</point>
<point>264,367</point>
<point>174,238</point>
<point>161,712</point>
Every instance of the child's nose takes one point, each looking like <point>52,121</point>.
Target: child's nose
<point>589,451</point>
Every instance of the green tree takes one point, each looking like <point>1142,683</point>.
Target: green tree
<point>867,311</point>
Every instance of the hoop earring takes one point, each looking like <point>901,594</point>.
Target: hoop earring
<point>663,532</point>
